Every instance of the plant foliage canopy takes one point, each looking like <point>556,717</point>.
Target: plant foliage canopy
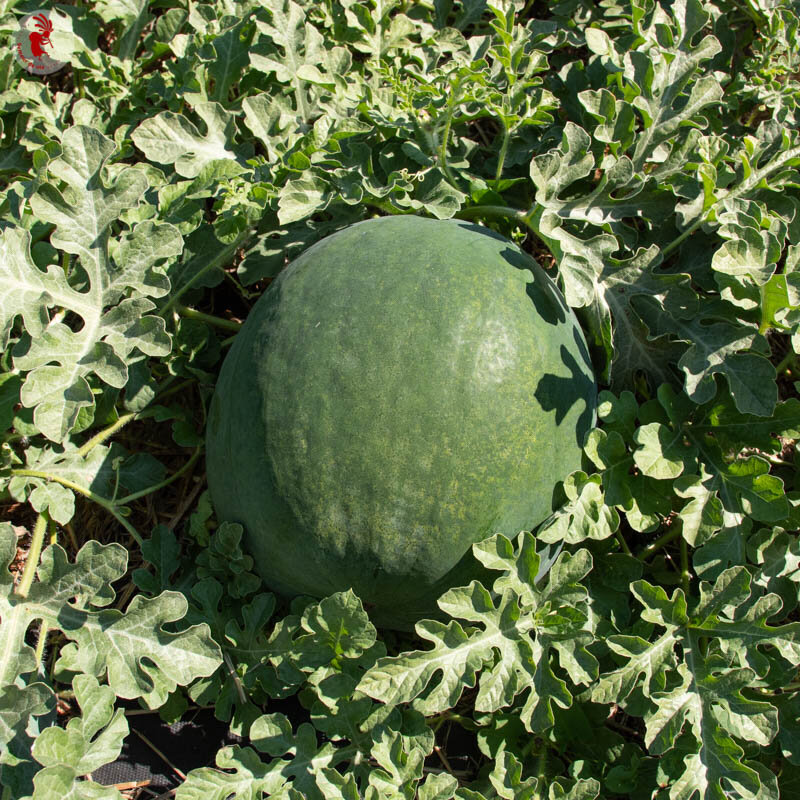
<point>646,153</point>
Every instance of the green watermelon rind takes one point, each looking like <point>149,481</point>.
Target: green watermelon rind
<point>404,388</point>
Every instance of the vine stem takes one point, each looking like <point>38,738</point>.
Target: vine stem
<point>749,12</point>
<point>129,498</point>
<point>34,553</point>
<point>665,251</point>
<point>443,758</point>
<point>498,212</point>
<point>778,462</point>
<point>623,544</point>
<point>235,677</point>
<point>164,392</point>
<point>110,430</point>
<point>44,628</point>
<point>191,313</point>
<point>161,755</point>
<point>685,567</point>
<point>221,258</point>
<point>77,77</point>
<point>672,533</point>
<point>788,359</point>
<point>112,506</point>
<point>751,117</point>
<point>387,207</point>
<point>437,723</point>
<point>96,498</point>
<point>446,137</point>
<point>501,159</point>
<point>106,433</point>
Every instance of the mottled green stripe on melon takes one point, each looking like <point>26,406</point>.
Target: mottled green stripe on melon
<point>406,387</point>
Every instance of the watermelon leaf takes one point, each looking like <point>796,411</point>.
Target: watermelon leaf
<point>87,743</point>
<point>511,651</point>
<point>114,307</point>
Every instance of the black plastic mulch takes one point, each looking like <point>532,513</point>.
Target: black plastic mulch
<point>189,743</point>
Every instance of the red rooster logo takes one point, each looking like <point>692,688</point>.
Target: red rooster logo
<point>32,46</point>
<point>41,39</point>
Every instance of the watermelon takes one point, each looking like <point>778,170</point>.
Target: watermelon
<point>403,389</point>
